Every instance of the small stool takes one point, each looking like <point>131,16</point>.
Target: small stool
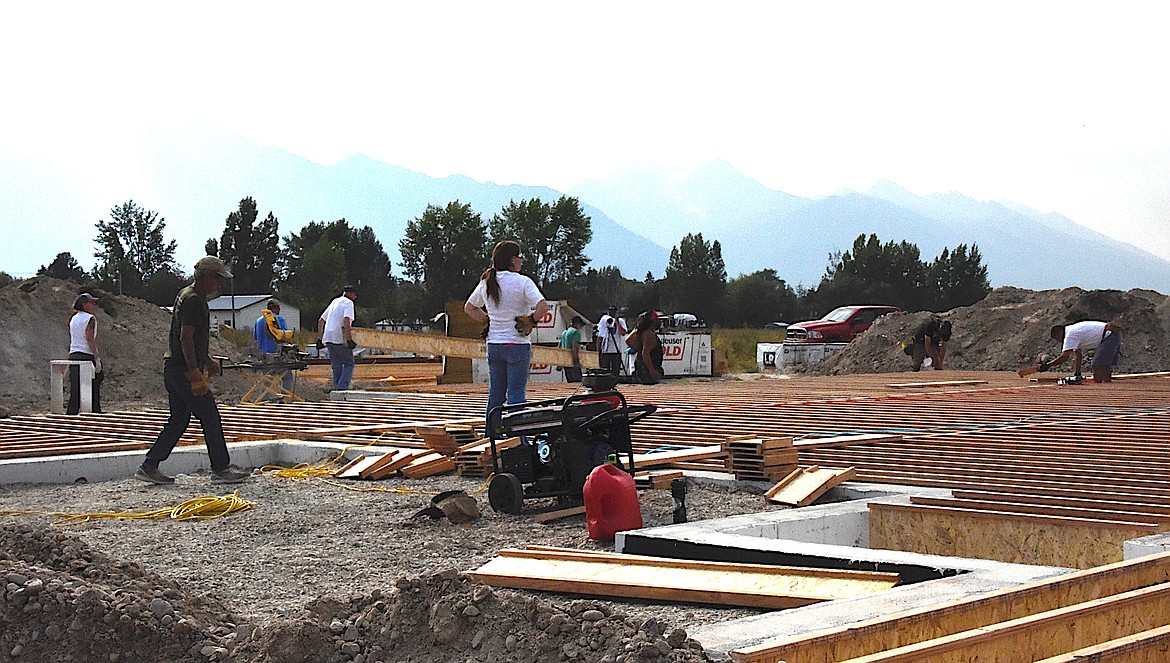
<point>59,368</point>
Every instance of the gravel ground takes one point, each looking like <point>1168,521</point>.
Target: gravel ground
<point>308,542</point>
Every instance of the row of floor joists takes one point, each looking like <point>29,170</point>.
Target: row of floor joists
<point>1116,612</point>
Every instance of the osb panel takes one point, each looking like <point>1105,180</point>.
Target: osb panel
<point>1048,541</point>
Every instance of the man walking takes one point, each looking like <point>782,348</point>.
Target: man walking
<point>334,328</point>
<point>186,364</point>
<point>611,334</point>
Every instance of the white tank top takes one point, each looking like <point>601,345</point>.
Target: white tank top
<point>77,325</point>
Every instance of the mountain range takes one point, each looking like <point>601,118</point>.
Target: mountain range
<point>195,178</point>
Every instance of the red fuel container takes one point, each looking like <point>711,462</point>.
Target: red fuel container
<point>611,502</point>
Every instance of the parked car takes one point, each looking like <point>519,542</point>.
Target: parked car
<point>841,325</point>
<point>776,326</point>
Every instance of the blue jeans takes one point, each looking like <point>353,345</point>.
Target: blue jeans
<point>341,359</point>
<point>508,366</point>
<point>184,404</point>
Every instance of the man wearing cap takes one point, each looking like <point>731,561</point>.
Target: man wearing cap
<point>83,346</point>
<point>186,364</point>
<point>334,329</point>
<point>270,331</point>
<point>611,334</point>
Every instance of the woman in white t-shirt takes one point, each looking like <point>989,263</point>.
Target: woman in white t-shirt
<point>83,346</point>
<point>506,294</point>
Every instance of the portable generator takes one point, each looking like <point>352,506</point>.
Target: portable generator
<point>562,440</point>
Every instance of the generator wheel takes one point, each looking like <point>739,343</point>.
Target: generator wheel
<point>505,494</point>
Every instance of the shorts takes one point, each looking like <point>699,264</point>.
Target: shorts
<point>1108,351</point>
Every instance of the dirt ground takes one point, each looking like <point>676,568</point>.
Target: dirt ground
<point>316,572</point>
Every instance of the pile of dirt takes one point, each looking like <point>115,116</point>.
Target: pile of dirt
<point>132,337</point>
<point>62,601</point>
<point>1010,329</point>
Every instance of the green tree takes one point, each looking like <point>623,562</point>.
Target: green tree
<point>597,289</point>
<point>696,278</point>
<point>873,273</point>
<point>753,300</point>
<point>250,247</point>
<point>957,278</point>
<point>360,260</point>
<point>64,266</point>
<point>444,251</point>
<point>553,236</point>
<point>132,249</point>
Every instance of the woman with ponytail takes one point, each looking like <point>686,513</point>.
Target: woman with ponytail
<point>503,298</point>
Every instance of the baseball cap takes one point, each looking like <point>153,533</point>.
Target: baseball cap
<point>213,265</point>
<point>83,299</point>
<point>613,307</point>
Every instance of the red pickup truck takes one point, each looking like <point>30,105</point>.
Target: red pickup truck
<point>839,326</point>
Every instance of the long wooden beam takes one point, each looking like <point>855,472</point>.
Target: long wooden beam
<point>936,621</point>
<point>467,348</point>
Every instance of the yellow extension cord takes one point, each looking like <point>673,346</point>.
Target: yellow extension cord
<point>207,507</point>
<point>204,507</point>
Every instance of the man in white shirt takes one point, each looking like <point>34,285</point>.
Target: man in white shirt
<point>1105,337</point>
<point>611,335</point>
<point>334,329</point>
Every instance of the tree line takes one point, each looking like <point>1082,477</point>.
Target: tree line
<point>445,249</point>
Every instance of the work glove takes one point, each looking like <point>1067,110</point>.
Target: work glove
<point>351,344</point>
<point>1043,367</point>
<point>525,324</point>
<point>319,345</point>
<point>97,365</point>
<point>198,379</point>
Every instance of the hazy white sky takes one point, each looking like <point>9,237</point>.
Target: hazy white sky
<point>1061,106</point>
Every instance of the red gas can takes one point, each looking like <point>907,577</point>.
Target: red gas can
<point>611,502</point>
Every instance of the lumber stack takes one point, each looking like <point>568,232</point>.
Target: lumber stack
<point>474,459</point>
<point>446,439</point>
<point>752,458</point>
<point>656,480</point>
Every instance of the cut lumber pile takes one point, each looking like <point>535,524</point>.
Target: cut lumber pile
<point>678,456</point>
<point>662,579</point>
<point>446,439</point>
<point>428,465</point>
<point>805,484</point>
<point>474,460</point>
<point>752,458</point>
<point>659,480</point>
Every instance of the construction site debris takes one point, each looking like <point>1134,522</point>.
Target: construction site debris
<point>805,484</point>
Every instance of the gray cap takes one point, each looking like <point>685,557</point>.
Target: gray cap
<point>213,265</point>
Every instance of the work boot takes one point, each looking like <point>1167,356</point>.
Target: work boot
<point>229,475</point>
<point>152,475</point>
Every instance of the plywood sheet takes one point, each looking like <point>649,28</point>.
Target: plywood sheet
<point>660,579</point>
<point>805,484</point>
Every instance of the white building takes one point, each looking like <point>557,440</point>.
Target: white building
<point>242,311</point>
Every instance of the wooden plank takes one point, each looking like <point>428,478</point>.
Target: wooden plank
<point>400,461</point>
<point>935,621</point>
<point>428,465</point>
<point>663,458</point>
<point>1152,646</point>
<point>371,470</point>
<point>942,383</point>
<point>1047,510</point>
<point>1005,537</point>
<point>1045,634</point>
<point>633,576</point>
<point>353,469</point>
<point>803,486</point>
<point>656,480</point>
<point>846,440</point>
<point>468,348</point>
<point>550,516</point>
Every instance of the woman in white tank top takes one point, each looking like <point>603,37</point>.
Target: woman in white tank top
<point>83,346</point>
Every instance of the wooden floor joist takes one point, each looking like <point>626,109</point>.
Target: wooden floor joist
<point>976,612</point>
<point>662,579</point>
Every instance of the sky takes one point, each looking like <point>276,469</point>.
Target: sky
<point>1056,105</point>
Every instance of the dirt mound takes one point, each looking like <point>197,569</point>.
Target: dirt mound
<point>62,601</point>
<point>132,337</point>
<point>1009,329</point>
